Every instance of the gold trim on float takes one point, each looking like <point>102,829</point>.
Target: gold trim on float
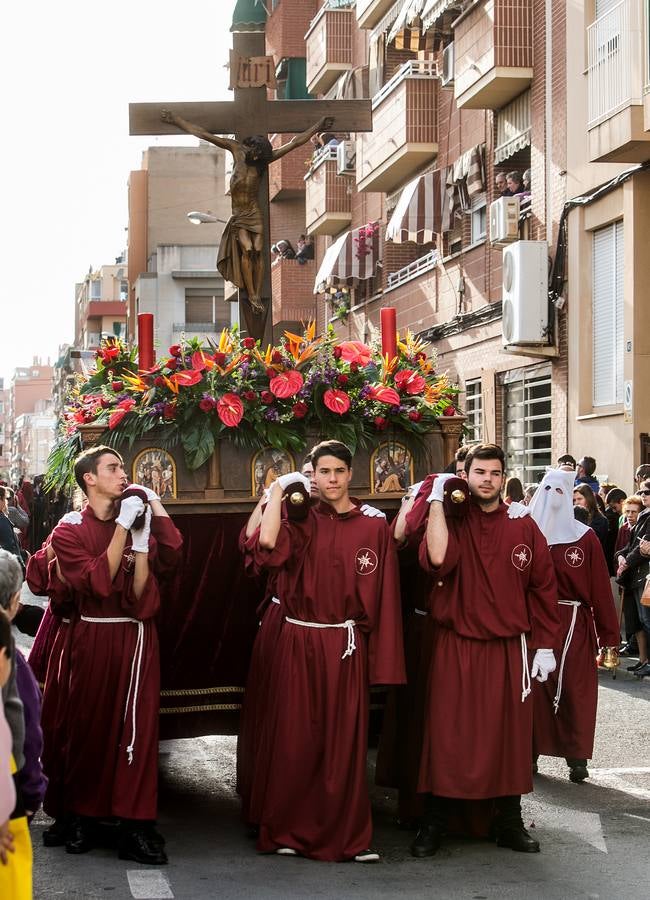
<point>212,707</point>
<point>201,692</point>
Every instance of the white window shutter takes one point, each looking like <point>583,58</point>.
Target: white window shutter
<point>608,290</point>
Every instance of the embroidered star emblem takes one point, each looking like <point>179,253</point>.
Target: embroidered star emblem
<point>364,561</point>
<point>574,557</point>
<point>522,556</point>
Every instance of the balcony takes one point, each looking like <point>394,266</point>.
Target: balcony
<point>404,136</point>
<point>493,43</point>
<point>99,308</point>
<point>369,12</point>
<point>292,289</point>
<point>615,76</point>
<point>287,174</point>
<point>329,48</point>
<point>327,201</point>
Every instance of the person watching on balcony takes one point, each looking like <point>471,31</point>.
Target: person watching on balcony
<point>515,183</point>
<point>305,245</point>
<point>501,184</point>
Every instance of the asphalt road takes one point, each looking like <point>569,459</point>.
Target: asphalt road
<point>594,837</point>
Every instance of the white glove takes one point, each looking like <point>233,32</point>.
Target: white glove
<point>414,490</point>
<point>438,489</point>
<point>71,518</point>
<point>140,536</point>
<point>371,511</point>
<point>518,510</point>
<point>130,509</point>
<point>151,495</point>
<point>291,477</point>
<point>543,664</point>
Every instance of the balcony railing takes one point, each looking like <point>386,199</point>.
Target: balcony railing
<point>412,270</point>
<point>404,136</point>
<point>615,61</point>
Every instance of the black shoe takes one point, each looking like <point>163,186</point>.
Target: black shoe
<point>57,834</point>
<point>636,666</point>
<point>427,841</point>
<point>629,649</point>
<point>139,846</point>
<point>517,838</point>
<point>643,671</point>
<point>577,774</point>
<point>79,836</point>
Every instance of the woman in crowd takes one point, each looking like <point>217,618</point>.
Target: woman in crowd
<point>514,491</point>
<point>631,510</point>
<point>584,496</point>
<point>633,567</point>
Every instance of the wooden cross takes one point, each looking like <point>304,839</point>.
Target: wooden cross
<point>253,113</point>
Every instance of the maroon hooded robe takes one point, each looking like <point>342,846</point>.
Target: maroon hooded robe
<point>582,576</point>
<point>311,793</point>
<point>102,778</point>
<point>495,584</point>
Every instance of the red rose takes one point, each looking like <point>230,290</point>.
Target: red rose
<point>300,409</point>
<point>248,343</point>
<point>175,350</point>
<point>172,364</point>
<point>267,397</point>
<point>159,381</point>
<point>380,423</point>
<point>249,395</point>
<point>230,410</point>
<point>336,401</point>
<point>277,357</point>
<point>354,367</point>
<point>220,359</point>
<point>207,404</point>
<point>415,416</point>
<point>337,353</point>
<point>117,386</point>
<point>449,411</point>
<point>270,373</point>
<point>342,380</point>
<point>169,411</point>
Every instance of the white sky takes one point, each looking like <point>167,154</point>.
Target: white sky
<point>69,71</point>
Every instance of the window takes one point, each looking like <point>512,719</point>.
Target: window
<point>124,291</point>
<point>204,307</point>
<point>119,329</point>
<point>474,410</point>
<point>96,289</point>
<point>479,220</point>
<point>608,341</point>
<point>527,422</point>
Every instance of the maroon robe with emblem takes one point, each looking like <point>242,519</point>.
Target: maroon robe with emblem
<point>495,584</point>
<point>582,575</point>
<point>312,793</point>
<point>100,779</point>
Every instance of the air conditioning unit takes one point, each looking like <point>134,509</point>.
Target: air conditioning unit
<point>448,58</point>
<point>525,294</point>
<point>346,158</point>
<point>504,220</point>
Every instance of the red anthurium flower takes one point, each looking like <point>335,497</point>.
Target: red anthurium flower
<point>385,395</point>
<point>116,417</point>
<point>300,409</point>
<point>248,343</point>
<point>355,352</point>
<point>109,353</point>
<point>186,377</point>
<point>127,404</point>
<point>409,381</point>
<point>230,410</point>
<point>286,384</point>
<point>202,361</point>
<point>171,364</point>
<point>270,373</point>
<point>336,401</point>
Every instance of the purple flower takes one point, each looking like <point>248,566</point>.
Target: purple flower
<point>272,415</point>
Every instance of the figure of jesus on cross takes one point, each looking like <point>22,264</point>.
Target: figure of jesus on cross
<point>240,259</point>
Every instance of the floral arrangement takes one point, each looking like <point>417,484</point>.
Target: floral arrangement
<point>364,238</point>
<point>203,391</point>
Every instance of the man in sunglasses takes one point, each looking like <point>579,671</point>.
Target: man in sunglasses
<point>634,558</point>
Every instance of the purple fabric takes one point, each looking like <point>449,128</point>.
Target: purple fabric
<point>31,779</point>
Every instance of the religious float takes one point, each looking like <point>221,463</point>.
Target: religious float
<point>209,426</point>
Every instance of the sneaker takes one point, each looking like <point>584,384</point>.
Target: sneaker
<point>286,851</point>
<point>367,856</point>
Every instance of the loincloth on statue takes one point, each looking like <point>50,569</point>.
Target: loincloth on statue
<point>229,256</point>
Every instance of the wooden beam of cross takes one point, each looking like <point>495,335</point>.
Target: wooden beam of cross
<point>251,113</point>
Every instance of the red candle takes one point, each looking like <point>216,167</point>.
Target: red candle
<point>145,340</point>
<point>388,331</point>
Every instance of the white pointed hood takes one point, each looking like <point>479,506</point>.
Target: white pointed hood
<point>552,508</point>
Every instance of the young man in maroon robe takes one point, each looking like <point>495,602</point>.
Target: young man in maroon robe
<point>337,581</point>
<point>494,596</point>
<point>565,705</point>
<point>112,566</point>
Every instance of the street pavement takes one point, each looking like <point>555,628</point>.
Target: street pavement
<point>594,836</point>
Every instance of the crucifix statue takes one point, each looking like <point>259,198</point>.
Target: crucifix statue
<point>244,253</point>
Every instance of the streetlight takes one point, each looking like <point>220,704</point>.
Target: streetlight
<point>201,218</point>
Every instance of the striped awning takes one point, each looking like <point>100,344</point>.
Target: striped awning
<point>418,214</point>
<point>344,264</point>
<point>406,31</point>
<point>513,128</point>
<point>432,11</point>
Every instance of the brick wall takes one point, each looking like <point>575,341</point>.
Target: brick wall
<point>287,174</point>
<point>286,28</point>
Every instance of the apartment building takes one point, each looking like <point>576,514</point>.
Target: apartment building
<point>172,262</point>
<point>100,305</point>
<point>461,91</point>
<point>29,422</point>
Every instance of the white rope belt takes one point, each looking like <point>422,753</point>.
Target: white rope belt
<point>567,643</point>
<point>525,673</point>
<point>136,667</point>
<point>275,600</point>
<point>349,624</point>
<point>420,612</point>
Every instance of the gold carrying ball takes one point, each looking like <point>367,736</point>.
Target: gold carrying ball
<point>297,499</point>
<point>458,496</point>
<point>610,658</point>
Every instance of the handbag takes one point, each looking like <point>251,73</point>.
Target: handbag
<point>645,596</point>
